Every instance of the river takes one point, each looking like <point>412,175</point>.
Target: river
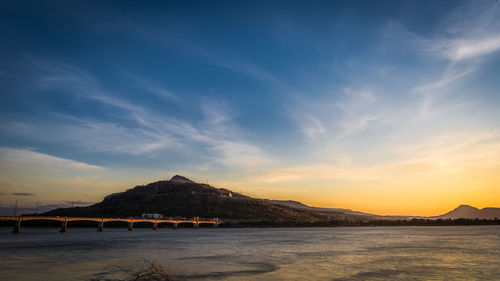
<point>336,253</point>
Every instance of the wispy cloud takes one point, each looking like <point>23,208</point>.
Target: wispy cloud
<point>17,160</point>
<point>32,207</point>
<point>470,32</point>
<point>146,132</point>
<point>234,64</point>
<point>153,88</point>
<point>23,194</point>
<point>445,154</point>
<point>375,116</point>
<point>456,149</point>
<point>457,50</point>
<point>465,37</point>
<point>435,89</point>
<point>47,178</point>
<point>335,116</point>
<point>359,112</point>
<point>27,173</point>
<point>310,126</point>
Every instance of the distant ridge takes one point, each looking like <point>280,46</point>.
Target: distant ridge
<point>299,205</point>
<point>469,212</point>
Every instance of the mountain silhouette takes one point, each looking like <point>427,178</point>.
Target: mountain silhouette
<point>469,212</point>
<point>180,196</point>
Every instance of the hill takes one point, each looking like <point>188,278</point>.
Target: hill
<point>180,196</point>
<point>469,212</point>
<point>299,205</point>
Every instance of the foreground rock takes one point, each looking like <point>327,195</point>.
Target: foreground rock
<point>153,272</point>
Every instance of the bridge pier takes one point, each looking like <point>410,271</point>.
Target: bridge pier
<point>175,226</point>
<point>131,226</point>
<point>17,226</point>
<point>216,224</point>
<point>196,222</point>
<point>155,226</point>
<point>101,226</point>
<point>64,226</point>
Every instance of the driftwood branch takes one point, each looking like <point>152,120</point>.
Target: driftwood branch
<point>150,271</point>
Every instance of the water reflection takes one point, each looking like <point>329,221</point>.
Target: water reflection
<point>397,253</point>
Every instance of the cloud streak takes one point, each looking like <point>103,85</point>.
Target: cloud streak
<point>147,132</point>
<point>335,117</point>
<point>23,194</point>
<point>470,31</point>
<point>16,161</point>
<point>36,208</point>
<point>450,153</point>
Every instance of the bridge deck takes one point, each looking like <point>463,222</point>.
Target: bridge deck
<point>132,220</point>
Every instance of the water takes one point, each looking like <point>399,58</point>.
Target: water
<point>341,253</point>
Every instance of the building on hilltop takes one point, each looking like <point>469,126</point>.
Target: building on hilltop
<point>152,216</point>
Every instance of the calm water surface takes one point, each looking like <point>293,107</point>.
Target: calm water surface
<point>379,253</point>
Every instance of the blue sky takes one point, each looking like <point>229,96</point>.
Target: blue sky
<point>354,104</point>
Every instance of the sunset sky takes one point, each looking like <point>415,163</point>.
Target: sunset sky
<point>377,106</point>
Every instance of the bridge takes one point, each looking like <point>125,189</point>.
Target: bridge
<point>196,221</point>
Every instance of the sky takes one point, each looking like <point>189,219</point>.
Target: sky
<point>388,107</point>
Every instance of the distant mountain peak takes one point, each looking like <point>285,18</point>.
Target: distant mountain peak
<point>180,179</point>
<point>470,212</point>
<point>463,206</point>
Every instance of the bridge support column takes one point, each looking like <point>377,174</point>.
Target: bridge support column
<point>196,222</point>
<point>175,226</point>
<point>155,226</point>
<point>17,226</point>
<point>64,225</point>
<point>101,226</point>
<point>131,226</point>
<point>216,224</point>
